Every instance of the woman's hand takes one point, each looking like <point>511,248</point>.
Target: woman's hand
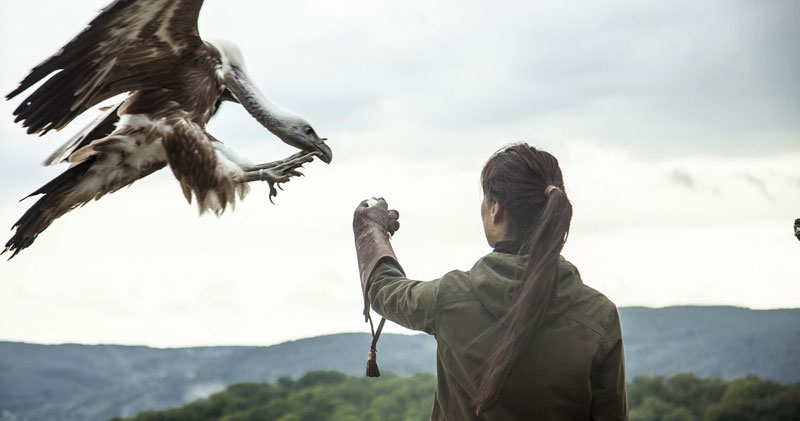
<point>373,225</point>
<point>375,213</point>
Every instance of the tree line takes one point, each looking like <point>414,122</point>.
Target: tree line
<point>330,395</point>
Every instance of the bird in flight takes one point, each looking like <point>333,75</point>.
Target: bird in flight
<point>175,81</point>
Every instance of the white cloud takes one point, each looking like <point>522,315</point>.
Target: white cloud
<point>140,267</point>
<point>646,239</point>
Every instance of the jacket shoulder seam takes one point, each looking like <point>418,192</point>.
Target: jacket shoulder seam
<point>458,299</point>
<point>591,326</point>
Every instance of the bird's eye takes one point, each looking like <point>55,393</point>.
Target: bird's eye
<point>309,131</point>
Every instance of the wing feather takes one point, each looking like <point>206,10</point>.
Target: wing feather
<point>196,164</point>
<point>101,127</point>
<point>130,45</point>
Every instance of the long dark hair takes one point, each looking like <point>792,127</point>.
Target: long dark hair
<point>518,177</point>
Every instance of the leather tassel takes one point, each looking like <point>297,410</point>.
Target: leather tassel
<point>372,357</point>
<point>372,364</point>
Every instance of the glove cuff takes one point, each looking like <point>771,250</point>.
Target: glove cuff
<point>372,246</point>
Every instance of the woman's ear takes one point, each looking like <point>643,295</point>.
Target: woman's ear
<point>496,212</point>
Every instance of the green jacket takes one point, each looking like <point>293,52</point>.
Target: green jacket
<point>574,369</point>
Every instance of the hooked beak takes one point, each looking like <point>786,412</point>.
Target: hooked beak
<point>270,115</point>
<point>323,151</point>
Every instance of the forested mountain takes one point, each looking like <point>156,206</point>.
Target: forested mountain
<point>80,382</point>
<point>332,396</point>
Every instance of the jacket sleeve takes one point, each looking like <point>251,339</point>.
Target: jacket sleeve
<point>412,304</point>
<point>609,400</point>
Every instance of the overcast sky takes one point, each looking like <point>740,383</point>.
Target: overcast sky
<point>677,125</point>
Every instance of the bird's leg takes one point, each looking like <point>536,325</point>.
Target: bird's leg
<point>273,164</point>
<point>274,173</point>
<point>278,172</point>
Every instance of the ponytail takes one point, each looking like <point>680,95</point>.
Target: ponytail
<point>532,192</point>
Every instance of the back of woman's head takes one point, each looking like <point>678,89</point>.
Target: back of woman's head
<point>528,186</point>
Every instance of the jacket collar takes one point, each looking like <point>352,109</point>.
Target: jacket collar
<point>508,246</point>
<point>496,277</point>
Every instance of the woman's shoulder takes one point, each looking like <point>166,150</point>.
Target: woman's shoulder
<point>582,302</point>
<point>491,281</point>
<point>490,266</point>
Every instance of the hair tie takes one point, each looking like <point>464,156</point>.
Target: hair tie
<point>549,190</point>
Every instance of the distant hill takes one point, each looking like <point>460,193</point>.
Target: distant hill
<point>82,382</point>
<point>722,342</point>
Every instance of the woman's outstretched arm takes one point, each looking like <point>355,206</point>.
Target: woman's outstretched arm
<point>409,303</point>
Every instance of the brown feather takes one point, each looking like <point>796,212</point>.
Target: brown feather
<point>194,162</point>
<point>61,195</point>
<point>122,44</point>
<point>101,127</point>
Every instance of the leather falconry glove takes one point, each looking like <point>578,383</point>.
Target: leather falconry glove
<point>373,226</point>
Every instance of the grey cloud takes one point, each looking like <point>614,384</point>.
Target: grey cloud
<point>683,178</point>
<point>759,184</point>
<point>658,79</point>
<point>668,79</point>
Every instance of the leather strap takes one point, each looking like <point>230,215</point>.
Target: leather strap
<point>376,335</point>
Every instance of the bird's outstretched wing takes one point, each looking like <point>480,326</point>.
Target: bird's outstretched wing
<point>101,127</point>
<point>130,45</point>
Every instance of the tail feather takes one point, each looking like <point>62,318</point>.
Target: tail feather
<point>56,202</point>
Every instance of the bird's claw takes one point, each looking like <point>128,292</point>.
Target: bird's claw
<point>279,172</point>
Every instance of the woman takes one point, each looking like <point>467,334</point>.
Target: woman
<point>519,336</point>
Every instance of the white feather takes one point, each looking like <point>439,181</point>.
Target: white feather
<point>231,55</point>
<point>142,121</point>
<point>229,157</point>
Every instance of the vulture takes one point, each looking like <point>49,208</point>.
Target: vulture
<point>173,82</point>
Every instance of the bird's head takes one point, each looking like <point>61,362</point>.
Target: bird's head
<point>291,128</point>
<point>296,131</point>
